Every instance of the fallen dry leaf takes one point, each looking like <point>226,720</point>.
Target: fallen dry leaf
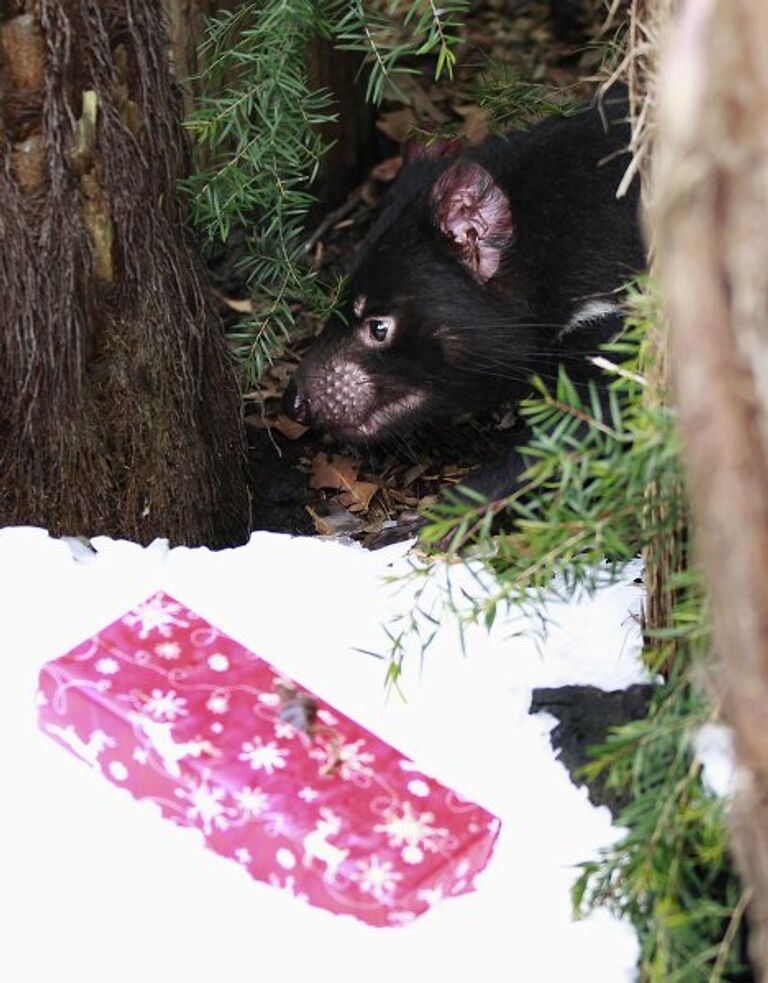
<point>423,101</point>
<point>323,524</point>
<point>413,473</point>
<point>290,429</point>
<point>378,526</point>
<point>454,471</point>
<point>244,306</point>
<point>397,124</point>
<point>358,498</point>
<point>337,523</point>
<point>476,123</point>
<point>387,170</point>
<point>401,497</point>
<point>339,473</point>
<point>262,394</point>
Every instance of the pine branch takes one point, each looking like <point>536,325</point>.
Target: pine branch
<point>580,516</point>
<point>258,126</point>
<point>257,130</point>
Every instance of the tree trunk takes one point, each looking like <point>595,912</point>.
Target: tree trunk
<point>664,556</point>
<point>352,146</point>
<point>711,232</point>
<point>119,410</point>
<point>186,26</point>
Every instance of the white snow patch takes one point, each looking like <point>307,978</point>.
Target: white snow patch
<point>103,888</point>
<point>713,746</point>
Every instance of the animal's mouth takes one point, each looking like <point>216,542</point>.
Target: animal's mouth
<point>379,420</point>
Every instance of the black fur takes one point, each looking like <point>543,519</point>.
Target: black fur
<point>461,344</point>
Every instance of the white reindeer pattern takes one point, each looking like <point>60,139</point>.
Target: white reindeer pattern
<point>317,847</point>
<point>159,736</point>
<point>87,750</point>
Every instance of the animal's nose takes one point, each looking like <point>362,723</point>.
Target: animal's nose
<point>295,404</point>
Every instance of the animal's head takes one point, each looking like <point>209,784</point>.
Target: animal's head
<point>414,339</point>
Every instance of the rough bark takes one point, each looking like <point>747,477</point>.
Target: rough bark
<point>648,23</point>
<point>119,410</point>
<point>352,147</point>
<point>711,233</point>
<point>186,27</point>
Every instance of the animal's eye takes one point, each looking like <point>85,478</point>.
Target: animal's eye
<point>379,328</point>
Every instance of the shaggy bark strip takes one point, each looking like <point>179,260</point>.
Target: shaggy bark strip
<point>711,227</point>
<point>649,22</point>
<point>119,410</point>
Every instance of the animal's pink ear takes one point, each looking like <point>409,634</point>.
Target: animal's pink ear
<point>473,212</point>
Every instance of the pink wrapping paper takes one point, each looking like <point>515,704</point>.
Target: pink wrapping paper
<point>165,705</point>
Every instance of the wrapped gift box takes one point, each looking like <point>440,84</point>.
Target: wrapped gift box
<point>168,707</point>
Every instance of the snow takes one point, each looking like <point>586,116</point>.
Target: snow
<point>713,746</point>
<point>100,887</point>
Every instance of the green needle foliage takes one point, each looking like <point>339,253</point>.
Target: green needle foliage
<point>671,873</point>
<point>259,144</point>
<point>583,514</point>
<point>512,102</point>
<point>258,128</point>
<point>387,34</point>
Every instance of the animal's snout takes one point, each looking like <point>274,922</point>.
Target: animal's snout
<point>331,394</point>
<point>296,403</point>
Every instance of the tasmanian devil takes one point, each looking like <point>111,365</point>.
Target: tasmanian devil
<point>486,267</point>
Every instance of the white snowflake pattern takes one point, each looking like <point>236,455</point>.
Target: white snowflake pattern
<point>354,761</point>
<point>206,805</point>
<point>158,614</point>
<point>164,705</point>
<point>308,794</point>
<point>284,731</point>
<point>263,756</point>
<point>168,650</point>
<point>252,801</point>
<point>217,703</point>
<point>243,855</point>
<point>377,877</point>
<point>411,831</point>
<point>107,666</point>
<point>349,760</point>
<point>141,755</point>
